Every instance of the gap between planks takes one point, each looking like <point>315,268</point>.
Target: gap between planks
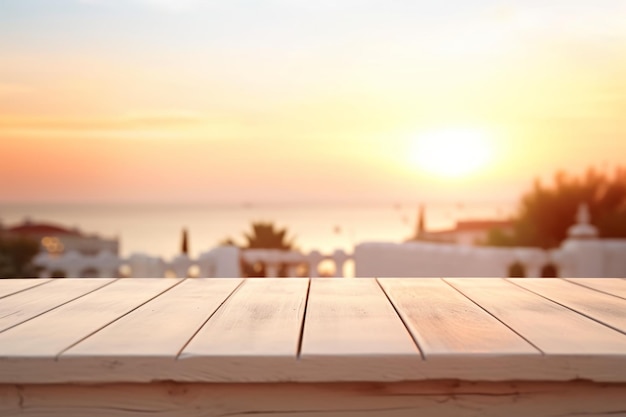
<point>119,317</point>
<point>23,284</point>
<point>306,305</point>
<point>610,286</point>
<point>51,307</point>
<point>592,313</point>
<point>406,327</point>
<point>228,297</point>
<point>493,315</point>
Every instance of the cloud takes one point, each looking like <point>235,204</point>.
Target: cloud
<point>165,120</point>
<point>172,5</point>
<point>139,125</point>
<point>167,5</point>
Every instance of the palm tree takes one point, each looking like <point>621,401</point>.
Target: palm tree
<point>264,235</point>
<point>267,236</point>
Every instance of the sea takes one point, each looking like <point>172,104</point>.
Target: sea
<point>156,229</point>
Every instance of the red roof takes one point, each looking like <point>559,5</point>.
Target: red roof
<point>471,225</point>
<point>41,229</point>
<point>474,226</point>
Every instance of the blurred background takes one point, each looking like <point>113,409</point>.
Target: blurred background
<point>305,138</point>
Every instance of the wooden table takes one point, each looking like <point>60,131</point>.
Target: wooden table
<point>319,347</point>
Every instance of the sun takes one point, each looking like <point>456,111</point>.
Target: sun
<point>451,152</point>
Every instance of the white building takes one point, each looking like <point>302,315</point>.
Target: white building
<point>57,240</point>
<point>468,232</point>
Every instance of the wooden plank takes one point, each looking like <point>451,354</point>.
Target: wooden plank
<point>406,399</point>
<point>48,335</point>
<point>546,325</point>
<point>601,307</point>
<point>11,286</point>
<point>444,322</point>
<point>25,305</point>
<point>263,318</point>
<point>461,341</point>
<point>353,317</point>
<point>351,328</point>
<point>613,286</point>
<point>254,337</point>
<point>255,334</point>
<point>143,345</point>
<point>161,327</point>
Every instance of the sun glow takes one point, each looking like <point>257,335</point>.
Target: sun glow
<point>451,152</point>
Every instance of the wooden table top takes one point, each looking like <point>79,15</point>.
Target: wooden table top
<point>312,330</point>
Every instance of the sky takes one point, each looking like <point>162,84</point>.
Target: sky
<point>292,100</point>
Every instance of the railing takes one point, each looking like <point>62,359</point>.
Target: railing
<point>224,261</point>
<point>575,258</point>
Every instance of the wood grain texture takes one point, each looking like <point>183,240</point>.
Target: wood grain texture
<point>431,398</point>
<point>25,305</point>
<point>444,322</point>
<point>48,335</point>
<point>613,286</point>
<point>12,286</point>
<point>353,317</point>
<point>604,308</point>
<point>162,326</point>
<point>461,341</point>
<point>263,318</point>
<point>570,340</point>
<point>546,325</point>
<point>255,334</point>
<point>351,333</point>
<point>352,329</point>
<point>144,344</point>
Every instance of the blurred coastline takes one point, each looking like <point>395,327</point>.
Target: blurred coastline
<point>155,228</point>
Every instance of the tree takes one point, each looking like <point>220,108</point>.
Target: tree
<point>184,245</point>
<point>267,236</point>
<point>264,235</point>
<point>16,255</point>
<point>546,212</point>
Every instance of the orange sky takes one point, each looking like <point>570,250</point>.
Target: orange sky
<point>199,102</point>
